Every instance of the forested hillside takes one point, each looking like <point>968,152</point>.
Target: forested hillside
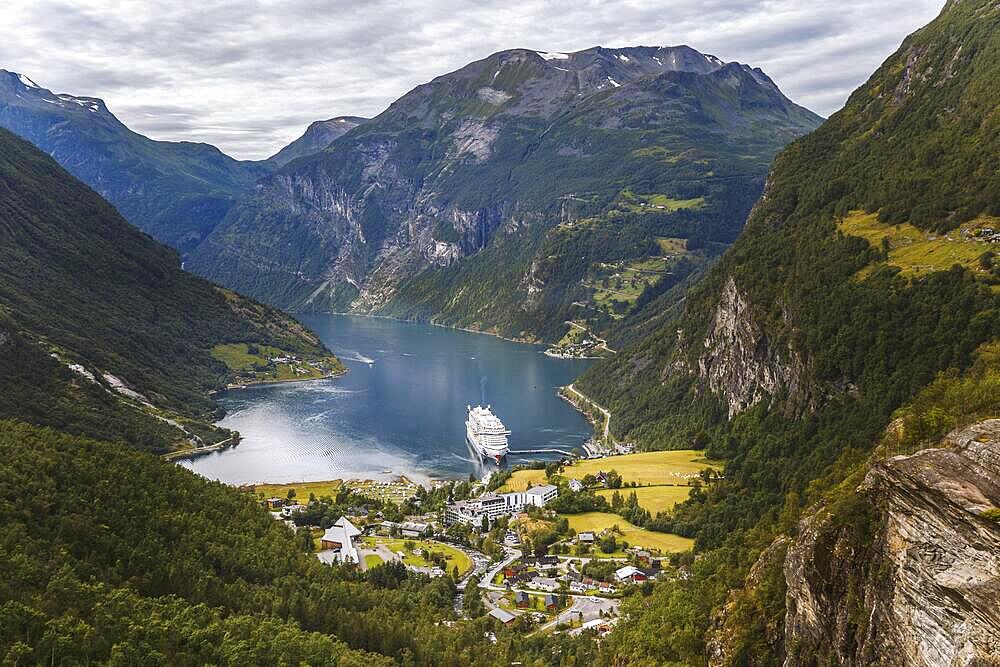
<point>514,194</point>
<point>96,318</point>
<point>111,556</point>
<point>791,357</point>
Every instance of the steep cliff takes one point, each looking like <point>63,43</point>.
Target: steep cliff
<point>484,197</point>
<point>921,585</point>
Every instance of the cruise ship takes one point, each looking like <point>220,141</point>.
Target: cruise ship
<point>486,433</point>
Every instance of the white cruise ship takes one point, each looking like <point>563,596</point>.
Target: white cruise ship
<point>486,433</point>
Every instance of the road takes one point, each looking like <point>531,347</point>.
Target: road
<point>607,413</point>
<point>589,607</point>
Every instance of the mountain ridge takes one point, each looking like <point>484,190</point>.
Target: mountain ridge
<point>494,155</point>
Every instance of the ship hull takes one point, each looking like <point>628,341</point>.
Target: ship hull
<point>485,453</point>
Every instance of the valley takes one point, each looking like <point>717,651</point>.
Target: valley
<point>739,403</point>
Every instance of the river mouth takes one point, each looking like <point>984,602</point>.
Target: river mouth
<point>400,410</point>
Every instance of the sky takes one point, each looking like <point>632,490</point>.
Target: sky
<point>248,76</point>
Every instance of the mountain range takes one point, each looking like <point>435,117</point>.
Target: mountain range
<point>484,197</point>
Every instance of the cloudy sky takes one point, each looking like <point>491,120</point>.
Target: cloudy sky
<point>248,75</point>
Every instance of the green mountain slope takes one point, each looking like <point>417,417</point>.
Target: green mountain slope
<point>175,191</point>
<point>96,317</point>
<point>791,356</point>
<point>498,195</point>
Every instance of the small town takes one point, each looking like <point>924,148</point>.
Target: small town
<point>551,548</point>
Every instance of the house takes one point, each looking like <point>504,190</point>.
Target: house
<point>630,574</point>
<point>545,583</point>
<point>502,615</point>
<point>275,503</point>
<point>643,556</point>
<point>540,495</point>
<point>551,602</point>
<point>605,587</point>
<point>521,599</point>
<point>577,587</point>
<point>386,527</point>
<point>548,561</point>
<point>288,510</point>
<point>601,477</point>
<point>413,529</point>
<point>586,538</point>
<point>575,485</point>
<point>340,538</point>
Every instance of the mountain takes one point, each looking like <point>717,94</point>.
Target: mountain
<point>842,358</point>
<point>102,334</point>
<point>498,195</point>
<point>317,136</point>
<point>175,191</point>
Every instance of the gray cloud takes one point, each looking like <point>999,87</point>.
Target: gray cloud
<point>249,75</point>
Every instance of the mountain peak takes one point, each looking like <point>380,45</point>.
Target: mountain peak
<point>19,86</point>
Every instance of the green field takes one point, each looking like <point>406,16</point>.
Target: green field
<point>302,489</point>
<point>253,364</point>
<point>653,498</point>
<point>916,252</point>
<point>522,479</point>
<point>635,536</point>
<point>647,468</point>
<point>657,202</point>
<point>671,469</point>
<point>372,560</point>
<point>454,557</point>
<point>396,492</point>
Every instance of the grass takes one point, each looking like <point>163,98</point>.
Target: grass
<point>672,246</point>
<point>647,468</point>
<point>657,202</point>
<point>916,252</point>
<point>653,498</point>
<point>522,479</point>
<point>255,366</point>
<point>396,492</point>
<point>453,556</point>
<point>372,560</point>
<point>302,489</point>
<point>635,536</point>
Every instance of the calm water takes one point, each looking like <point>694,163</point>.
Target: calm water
<point>399,410</point>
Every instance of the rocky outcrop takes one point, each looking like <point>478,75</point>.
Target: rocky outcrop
<point>741,364</point>
<point>911,574</point>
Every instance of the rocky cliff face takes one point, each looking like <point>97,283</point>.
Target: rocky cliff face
<point>918,581</point>
<point>741,364</point>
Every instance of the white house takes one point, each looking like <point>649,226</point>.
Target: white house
<point>340,538</point>
<point>494,505</point>
<point>631,574</point>
<point>575,485</point>
<point>544,584</point>
<point>413,529</point>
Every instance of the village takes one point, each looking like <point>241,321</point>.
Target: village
<point>538,549</point>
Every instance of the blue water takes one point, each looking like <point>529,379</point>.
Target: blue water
<point>400,410</point>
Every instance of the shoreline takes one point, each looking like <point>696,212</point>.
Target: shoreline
<point>265,383</point>
<point>431,323</point>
